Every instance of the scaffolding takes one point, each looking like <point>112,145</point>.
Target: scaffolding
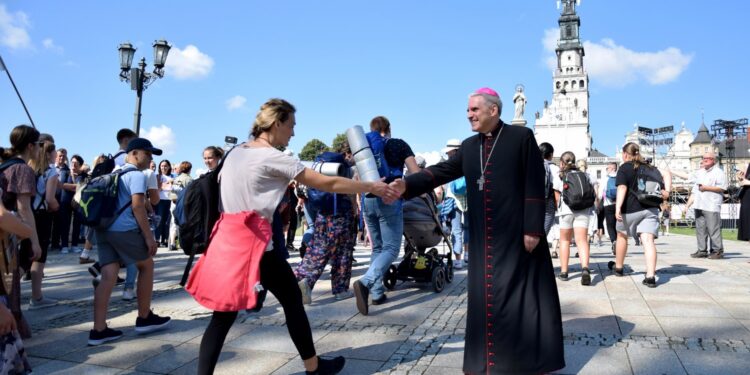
<point>727,132</point>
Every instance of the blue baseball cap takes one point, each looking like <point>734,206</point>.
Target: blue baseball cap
<point>142,144</point>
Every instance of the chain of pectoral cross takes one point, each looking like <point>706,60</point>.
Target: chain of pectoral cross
<point>482,163</point>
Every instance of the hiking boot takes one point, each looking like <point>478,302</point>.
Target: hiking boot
<point>586,277</point>
<point>617,271</point>
<point>699,254</point>
<point>41,303</point>
<point>563,276</point>
<point>100,337</point>
<point>361,293</point>
<point>380,301</point>
<point>650,282</point>
<point>716,255</point>
<point>306,292</point>
<point>328,366</point>
<point>151,323</point>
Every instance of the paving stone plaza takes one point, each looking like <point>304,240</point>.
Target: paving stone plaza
<point>697,321</point>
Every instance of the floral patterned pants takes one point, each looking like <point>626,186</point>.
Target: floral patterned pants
<point>333,240</point>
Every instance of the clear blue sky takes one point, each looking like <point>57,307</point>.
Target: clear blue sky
<point>343,62</point>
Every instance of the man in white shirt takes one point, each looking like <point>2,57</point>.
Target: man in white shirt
<point>710,184</point>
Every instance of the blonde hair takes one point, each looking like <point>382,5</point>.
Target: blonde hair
<point>40,163</point>
<point>274,111</point>
<point>582,165</point>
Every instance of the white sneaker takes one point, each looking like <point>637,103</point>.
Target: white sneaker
<point>128,294</point>
<point>458,264</point>
<point>64,250</point>
<point>41,303</point>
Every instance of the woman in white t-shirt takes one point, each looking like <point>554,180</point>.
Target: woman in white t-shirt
<point>253,179</point>
<point>573,222</point>
<point>163,208</point>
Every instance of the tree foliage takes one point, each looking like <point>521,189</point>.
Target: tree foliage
<point>312,149</point>
<point>340,143</point>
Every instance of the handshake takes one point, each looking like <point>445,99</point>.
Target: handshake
<point>388,192</point>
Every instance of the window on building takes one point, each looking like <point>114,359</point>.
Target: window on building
<point>568,31</point>
<point>580,83</point>
<point>598,174</point>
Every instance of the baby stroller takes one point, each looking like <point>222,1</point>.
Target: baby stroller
<point>422,230</point>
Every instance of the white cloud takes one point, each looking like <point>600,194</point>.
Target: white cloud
<point>617,66</point>
<point>188,63</point>
<point>236,102</point>
<point>50,45</point>
<point>14,27</point>
<point>162,137</point>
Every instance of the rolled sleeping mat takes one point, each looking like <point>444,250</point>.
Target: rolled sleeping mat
<point>363,158</point>
<point>328,169</point>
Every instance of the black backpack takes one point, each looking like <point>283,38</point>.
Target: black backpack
<point>548,188</point>
<point>106,166</point>
<point>647,187</point>
<point>323,202</point>
<point>578,193</point>
<point>199,213</point>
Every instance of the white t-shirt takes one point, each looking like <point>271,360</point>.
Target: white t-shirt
<point>151,183</point>
<point>166,187</point>
<point>558,185</point>
<point>255,179</point>
<point>603,189</point>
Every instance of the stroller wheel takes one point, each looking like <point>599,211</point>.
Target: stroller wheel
<point>449,271</point>
<point>438,279</point>
<point>389,279</point>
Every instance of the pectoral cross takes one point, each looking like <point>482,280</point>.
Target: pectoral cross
<point>480,182</point>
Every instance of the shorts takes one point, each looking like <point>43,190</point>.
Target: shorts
<point>125,247</point>
<point>635,223</point>
<point>577,219</point>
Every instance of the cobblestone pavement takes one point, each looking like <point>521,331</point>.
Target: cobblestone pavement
<point>697,321</point>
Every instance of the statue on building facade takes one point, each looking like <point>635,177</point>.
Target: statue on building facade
<point>519,99</point>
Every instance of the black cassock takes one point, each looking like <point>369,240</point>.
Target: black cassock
<point>513,323</point>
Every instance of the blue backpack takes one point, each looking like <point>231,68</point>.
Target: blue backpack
<point>323,202</point>
<point>611,191</point>
<point>99,198</point>
<point>377,145</point>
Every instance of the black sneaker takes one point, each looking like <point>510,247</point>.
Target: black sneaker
<point>380,300</point>
<point>617,271</point>
<point>650,282</point>
<point>100,337</point>
<point>95,282</point>
<point>699,254</point>
<point>360,294</point>
<point>614,252</point>
<point>120,280</point>
<point>328,366</point>
<point>152,323</point>
<point>554,255</point>
<point>586,277</point>
<point>563,276</point>
<point>95,270</point>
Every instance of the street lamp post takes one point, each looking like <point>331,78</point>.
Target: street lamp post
<point>138,78</point>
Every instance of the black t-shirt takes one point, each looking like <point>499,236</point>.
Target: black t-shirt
<point>396,152</point>
<point>627,175</point>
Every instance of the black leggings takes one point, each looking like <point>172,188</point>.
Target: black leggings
<point>609,215</point>
<point>275,275</point>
